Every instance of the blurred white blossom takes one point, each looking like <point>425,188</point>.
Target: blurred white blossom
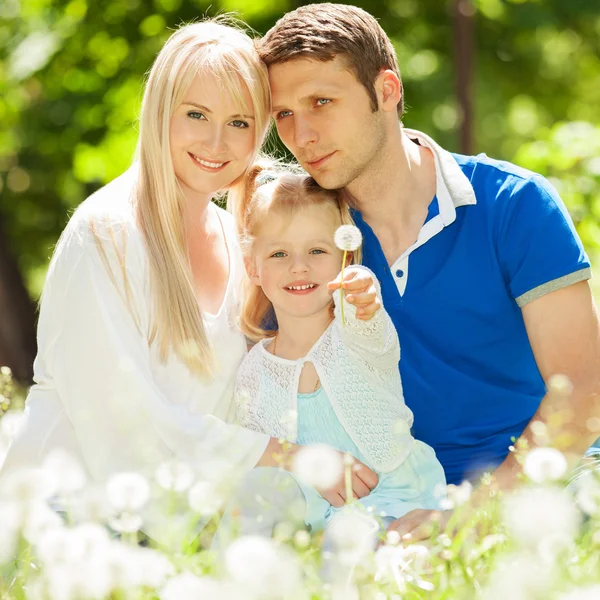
<point>205,498</point>
<point>263,567</point>
<point>352,534</point>
<point>318,465</point>
<point>128,491</point>
<point>174,476</point>
<point>452,496</point>
<point>519,577</point>
<point>534,513</point>
<point>65,470</point>
<point>28,484</point>
<point>545,464</point>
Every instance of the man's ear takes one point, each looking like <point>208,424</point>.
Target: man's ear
<point>389,90</point>
<point>251,271</point>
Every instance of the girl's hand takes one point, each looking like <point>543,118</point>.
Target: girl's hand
<point>360,290</point>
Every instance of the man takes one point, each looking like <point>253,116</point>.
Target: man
<point>480,266</point>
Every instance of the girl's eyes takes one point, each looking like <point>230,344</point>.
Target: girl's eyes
<point>239,124</point>
<point>281,254</point>
<point>194,114</point>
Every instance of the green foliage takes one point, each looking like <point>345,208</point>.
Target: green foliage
<point>71,74</point>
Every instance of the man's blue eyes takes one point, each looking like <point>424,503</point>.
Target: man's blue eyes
<point>286,113</point>
<point>198,116</point>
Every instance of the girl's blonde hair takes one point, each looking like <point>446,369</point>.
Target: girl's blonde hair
<point>269,189</point>
<point>228,53</point>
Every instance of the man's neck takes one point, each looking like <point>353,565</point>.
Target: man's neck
<point>394,197</point>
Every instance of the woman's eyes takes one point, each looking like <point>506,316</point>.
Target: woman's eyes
<point>281,254</point>
<point>236,123</point>
<point>278,255</point>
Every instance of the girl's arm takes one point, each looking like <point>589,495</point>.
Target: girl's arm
<point>93,347</point>
<point>375,338</point>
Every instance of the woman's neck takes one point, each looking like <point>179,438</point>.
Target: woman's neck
<point>297,335</point>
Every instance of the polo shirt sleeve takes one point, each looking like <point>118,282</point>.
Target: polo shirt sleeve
<point>538,248</point>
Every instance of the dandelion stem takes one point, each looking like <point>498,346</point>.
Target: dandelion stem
<point>342,287</point>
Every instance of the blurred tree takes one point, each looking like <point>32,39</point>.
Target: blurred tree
<point>71,73</point>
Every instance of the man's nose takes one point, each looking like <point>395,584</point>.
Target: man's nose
<point>304,132</point>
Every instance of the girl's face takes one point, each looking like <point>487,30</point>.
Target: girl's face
<point>295,258</point>
<point>211,142</point>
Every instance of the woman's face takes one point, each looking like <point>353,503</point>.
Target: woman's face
<point>212,142</point>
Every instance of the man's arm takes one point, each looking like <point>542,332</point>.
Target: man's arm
<point>564,333</point>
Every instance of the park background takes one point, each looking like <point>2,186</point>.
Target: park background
<point>516,79</point>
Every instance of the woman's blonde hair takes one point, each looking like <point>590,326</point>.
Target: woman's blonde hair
<point>217,47</point>
<point>268,190</point>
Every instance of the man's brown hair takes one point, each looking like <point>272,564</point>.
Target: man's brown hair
<point>324,31</point>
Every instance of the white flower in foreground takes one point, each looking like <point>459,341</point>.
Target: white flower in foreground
<point>174,476</point>
<point>28,484</point>
<point>347,237</point>
<point>318,465</point>
<point>128,491</point>
<point>188,586</point>
<point>452,496</point>
<point>263,567</point>
<point>545,464</point>
<point>519,578</point>
<point>10,424</point>
<point>532,514</point>
<point>587,493</point>
<point>126,522</point>
<point>66,470</point>
<point>590,592</point>
<point>353,535</point>
<point>91,504</point>
<point>204,498</point>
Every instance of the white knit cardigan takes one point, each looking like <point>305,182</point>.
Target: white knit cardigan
<point>358,367</point>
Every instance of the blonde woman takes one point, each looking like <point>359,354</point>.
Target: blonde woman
<point>138,338</point>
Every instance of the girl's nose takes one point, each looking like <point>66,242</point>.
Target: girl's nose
<point>215,141</point>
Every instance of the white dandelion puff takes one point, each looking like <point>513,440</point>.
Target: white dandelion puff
<point>347,238</point>
<point>174,476</point>
<point>532,514</point>
<point>545,464</point>
<point>66,470</point>
<point>265,568</point>
<point>318,465</point>
<point>128,491</point>
<point>352,534</point>
<point>204,498</point>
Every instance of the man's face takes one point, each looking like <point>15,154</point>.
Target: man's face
<point>323,115</point>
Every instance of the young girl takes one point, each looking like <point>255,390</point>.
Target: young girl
<point>311,378</point>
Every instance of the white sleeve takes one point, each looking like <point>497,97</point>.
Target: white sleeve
<point>374,341</point>
<point>93,334</point>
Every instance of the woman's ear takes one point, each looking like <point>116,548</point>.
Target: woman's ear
<point>250,265</point>
<point>349,259</point>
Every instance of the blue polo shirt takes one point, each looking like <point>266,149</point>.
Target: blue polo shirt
<point>496,237</point>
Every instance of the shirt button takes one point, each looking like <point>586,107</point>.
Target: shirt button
<point>399,273</point>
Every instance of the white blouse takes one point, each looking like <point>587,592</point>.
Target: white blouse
<point>100,392</point>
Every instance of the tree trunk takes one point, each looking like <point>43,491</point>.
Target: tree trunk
<point>17,316</point>
<point>462,18</point>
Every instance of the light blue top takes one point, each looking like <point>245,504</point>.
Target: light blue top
<point>411,485</point>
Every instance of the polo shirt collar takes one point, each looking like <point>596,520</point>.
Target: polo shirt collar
<point>453,188</point>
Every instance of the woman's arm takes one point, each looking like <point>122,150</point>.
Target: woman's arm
<point>93,336</point>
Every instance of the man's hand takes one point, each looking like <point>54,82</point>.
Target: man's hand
<point>363,481</point>
<point>420,524</point>
<point>360,291</point>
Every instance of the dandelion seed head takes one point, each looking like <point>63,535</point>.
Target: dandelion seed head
<point>66,471</point>
<point>347,238</point>
<point>352,534</point>
<point>128,491</point>
<point>318,465</point>
<point>174,476</point>
<point>126,522</point>
<point>531,514</point>
<point>545,465</point>
<point>28,484</point>
<point>263,567</point>
<point>205,498</point>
